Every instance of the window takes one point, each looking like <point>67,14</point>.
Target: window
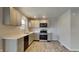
<point>24,23</point>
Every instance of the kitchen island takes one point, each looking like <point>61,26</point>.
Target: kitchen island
<point>14,40</point>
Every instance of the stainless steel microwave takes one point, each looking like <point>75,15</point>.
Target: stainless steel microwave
<point>43,24</point>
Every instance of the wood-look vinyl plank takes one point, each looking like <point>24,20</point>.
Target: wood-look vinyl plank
<point>43,46</point>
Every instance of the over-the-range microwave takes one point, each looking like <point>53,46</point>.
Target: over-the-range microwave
<point>43,24</point>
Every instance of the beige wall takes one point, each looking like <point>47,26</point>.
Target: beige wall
<point>75,29</point>
<point>64,29</point>
<point>52,28</point>
<point>68,29</point>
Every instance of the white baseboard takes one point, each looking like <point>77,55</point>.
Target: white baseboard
<point>75,50</point>
<point>69,48</point>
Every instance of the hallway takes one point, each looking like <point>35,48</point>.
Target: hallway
<point>43,46</point>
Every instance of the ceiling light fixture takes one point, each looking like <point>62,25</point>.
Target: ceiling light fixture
<point>44,17</point>
<point>35,17</point>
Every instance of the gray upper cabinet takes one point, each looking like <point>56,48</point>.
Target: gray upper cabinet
<point>11,16</point>
<point>19,17</point>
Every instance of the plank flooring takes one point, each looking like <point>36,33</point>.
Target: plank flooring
<point>44,46</point>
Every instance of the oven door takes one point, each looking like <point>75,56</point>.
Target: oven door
<point>43,37</point>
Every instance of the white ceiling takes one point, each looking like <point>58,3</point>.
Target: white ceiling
<point>50,12</point>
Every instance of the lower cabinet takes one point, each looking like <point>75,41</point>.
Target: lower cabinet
<point>13,45</point>
<point>1,45</point>
<point>36,35</point>
<point>26,40</point>
<point>31,38</point>
<point>18,45</point>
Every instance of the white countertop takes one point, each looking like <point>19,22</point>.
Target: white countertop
<point>12,33</point>
<point>14,36</point>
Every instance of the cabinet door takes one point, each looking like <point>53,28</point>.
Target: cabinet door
<point>26,38</point>
<point>36,35</point>
<point>34,23</point>
<point>13,16</point>
<point>19,17</point>
<point>6,15</point>
<point>20,45</point>
<point>30,39</point>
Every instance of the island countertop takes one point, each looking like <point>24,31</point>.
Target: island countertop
<point>13,33</point>
<point>14,36</point>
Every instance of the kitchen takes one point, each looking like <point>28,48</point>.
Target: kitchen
<point>17,32</point>
<point>38,29</point>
